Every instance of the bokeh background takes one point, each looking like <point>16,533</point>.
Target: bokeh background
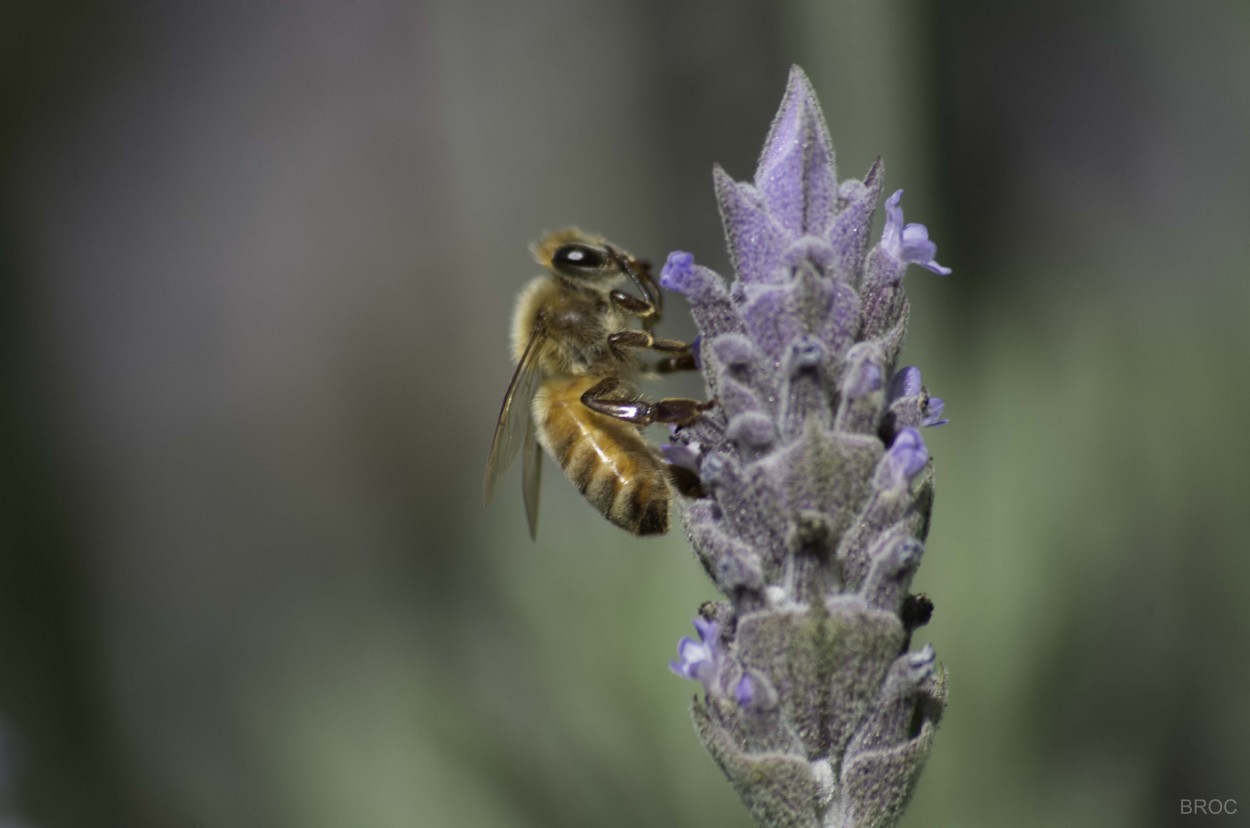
<point>256,265</point>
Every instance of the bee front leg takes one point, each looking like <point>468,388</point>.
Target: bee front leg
<point>603,398</point>
<point>639,271</point>
<point>644,309</point>
<point>673,364</point>
<point>682,361</point>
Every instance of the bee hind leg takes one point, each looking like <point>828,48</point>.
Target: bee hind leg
<point>603,398</point>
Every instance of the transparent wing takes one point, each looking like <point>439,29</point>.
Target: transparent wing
<point>514,415</point>
<point>531,477</point>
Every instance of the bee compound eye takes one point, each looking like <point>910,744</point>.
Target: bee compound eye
<point>577,258</point>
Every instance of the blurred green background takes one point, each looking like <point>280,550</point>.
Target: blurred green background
<point>256,265</point>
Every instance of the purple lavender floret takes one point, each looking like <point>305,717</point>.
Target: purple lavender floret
<point>817,490</point>
<point>909,402</point>
<point>700,660</point>
<point>908,243</point>
<point>932,411</point>
<point>906,382</point>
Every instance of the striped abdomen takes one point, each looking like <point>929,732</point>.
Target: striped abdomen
<point>606,459</point>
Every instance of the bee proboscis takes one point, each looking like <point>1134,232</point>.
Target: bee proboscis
<point>573,389</point>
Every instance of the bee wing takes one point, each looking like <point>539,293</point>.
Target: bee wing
<point>514,415</point>
<point>531,476</point>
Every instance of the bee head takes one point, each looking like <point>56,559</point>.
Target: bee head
<point>588,262</point>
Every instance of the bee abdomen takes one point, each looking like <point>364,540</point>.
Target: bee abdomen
<point>642,508</point>
<point>628,490</point>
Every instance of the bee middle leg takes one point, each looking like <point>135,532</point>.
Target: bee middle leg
<point>645,339</point>
<point>603,397</point>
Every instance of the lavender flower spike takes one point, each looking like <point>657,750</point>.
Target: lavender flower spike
<point>816,492</point>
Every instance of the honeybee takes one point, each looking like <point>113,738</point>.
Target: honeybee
<point>573,391</point>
